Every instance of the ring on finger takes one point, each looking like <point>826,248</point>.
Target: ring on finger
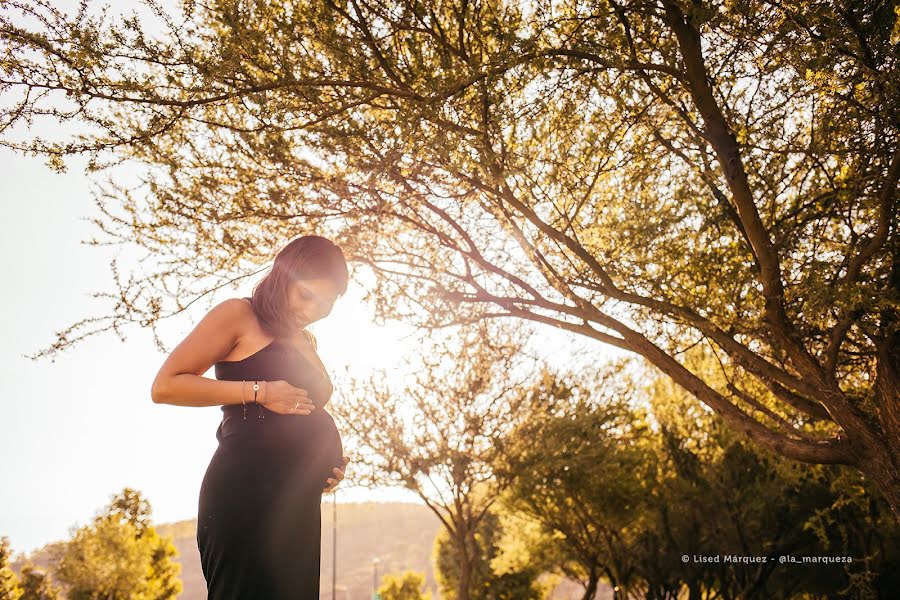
<point>296,404</point>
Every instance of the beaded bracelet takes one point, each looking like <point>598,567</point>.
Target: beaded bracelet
<point>255,391</point>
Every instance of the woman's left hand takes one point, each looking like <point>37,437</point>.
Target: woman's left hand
<point>338,476</point>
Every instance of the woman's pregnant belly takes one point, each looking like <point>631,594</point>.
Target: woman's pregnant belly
<point>312,440</point>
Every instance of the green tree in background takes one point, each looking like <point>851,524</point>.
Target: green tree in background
<point>9,583</point>
<point>720,495</point>
<point>36,585</point>
<point>525,548</point>
<point>440,434</point>
<point>406,586</point>
<point>484,581</point>
<point>119,556</point>
<point>131,507</point>
<point>589,480</point>
<point>626,495</point>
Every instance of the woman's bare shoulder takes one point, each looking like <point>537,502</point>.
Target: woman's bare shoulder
<point>236,318</point>
<point>237,312</point>
<point>234,306</point>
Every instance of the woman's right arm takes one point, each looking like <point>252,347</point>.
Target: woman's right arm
<point>180,380</point>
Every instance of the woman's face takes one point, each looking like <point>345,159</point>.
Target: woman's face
<point>311,299</point>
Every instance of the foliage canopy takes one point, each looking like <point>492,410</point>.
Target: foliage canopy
<point>652,174</point>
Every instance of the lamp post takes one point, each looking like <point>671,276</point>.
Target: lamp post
<point>375,562</point>
<point>334,545</point>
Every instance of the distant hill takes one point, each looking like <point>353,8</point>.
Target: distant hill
<point>400,535</point>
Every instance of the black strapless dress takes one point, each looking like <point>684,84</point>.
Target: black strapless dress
<point>259,513</point>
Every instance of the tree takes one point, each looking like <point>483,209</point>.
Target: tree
<point>485,581</point>
<point>590,479</point>
<point>719,495</point>
<point>525,550</point>
<point>36,585</point>
<point>438,435</point>
<point>406,586</point>
<point>119,556</point>
<point>650,174</point>
<point>9,583</point>
<point>130,506</point>
<point>624,496</point>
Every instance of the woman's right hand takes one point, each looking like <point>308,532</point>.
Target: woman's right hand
<point>282,397</point>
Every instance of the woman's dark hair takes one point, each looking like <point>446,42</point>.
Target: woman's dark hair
<point>306,257</point>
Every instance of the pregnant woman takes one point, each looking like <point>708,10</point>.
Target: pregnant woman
<point>259,513</point>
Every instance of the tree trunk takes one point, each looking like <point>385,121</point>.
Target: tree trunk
<point>887,397</point>
<point>694,592</point>
<point>885,474</point>
<point>465,569</point>
<point>591,589</point>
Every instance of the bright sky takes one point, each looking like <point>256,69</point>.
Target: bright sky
<point>76,431</point>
